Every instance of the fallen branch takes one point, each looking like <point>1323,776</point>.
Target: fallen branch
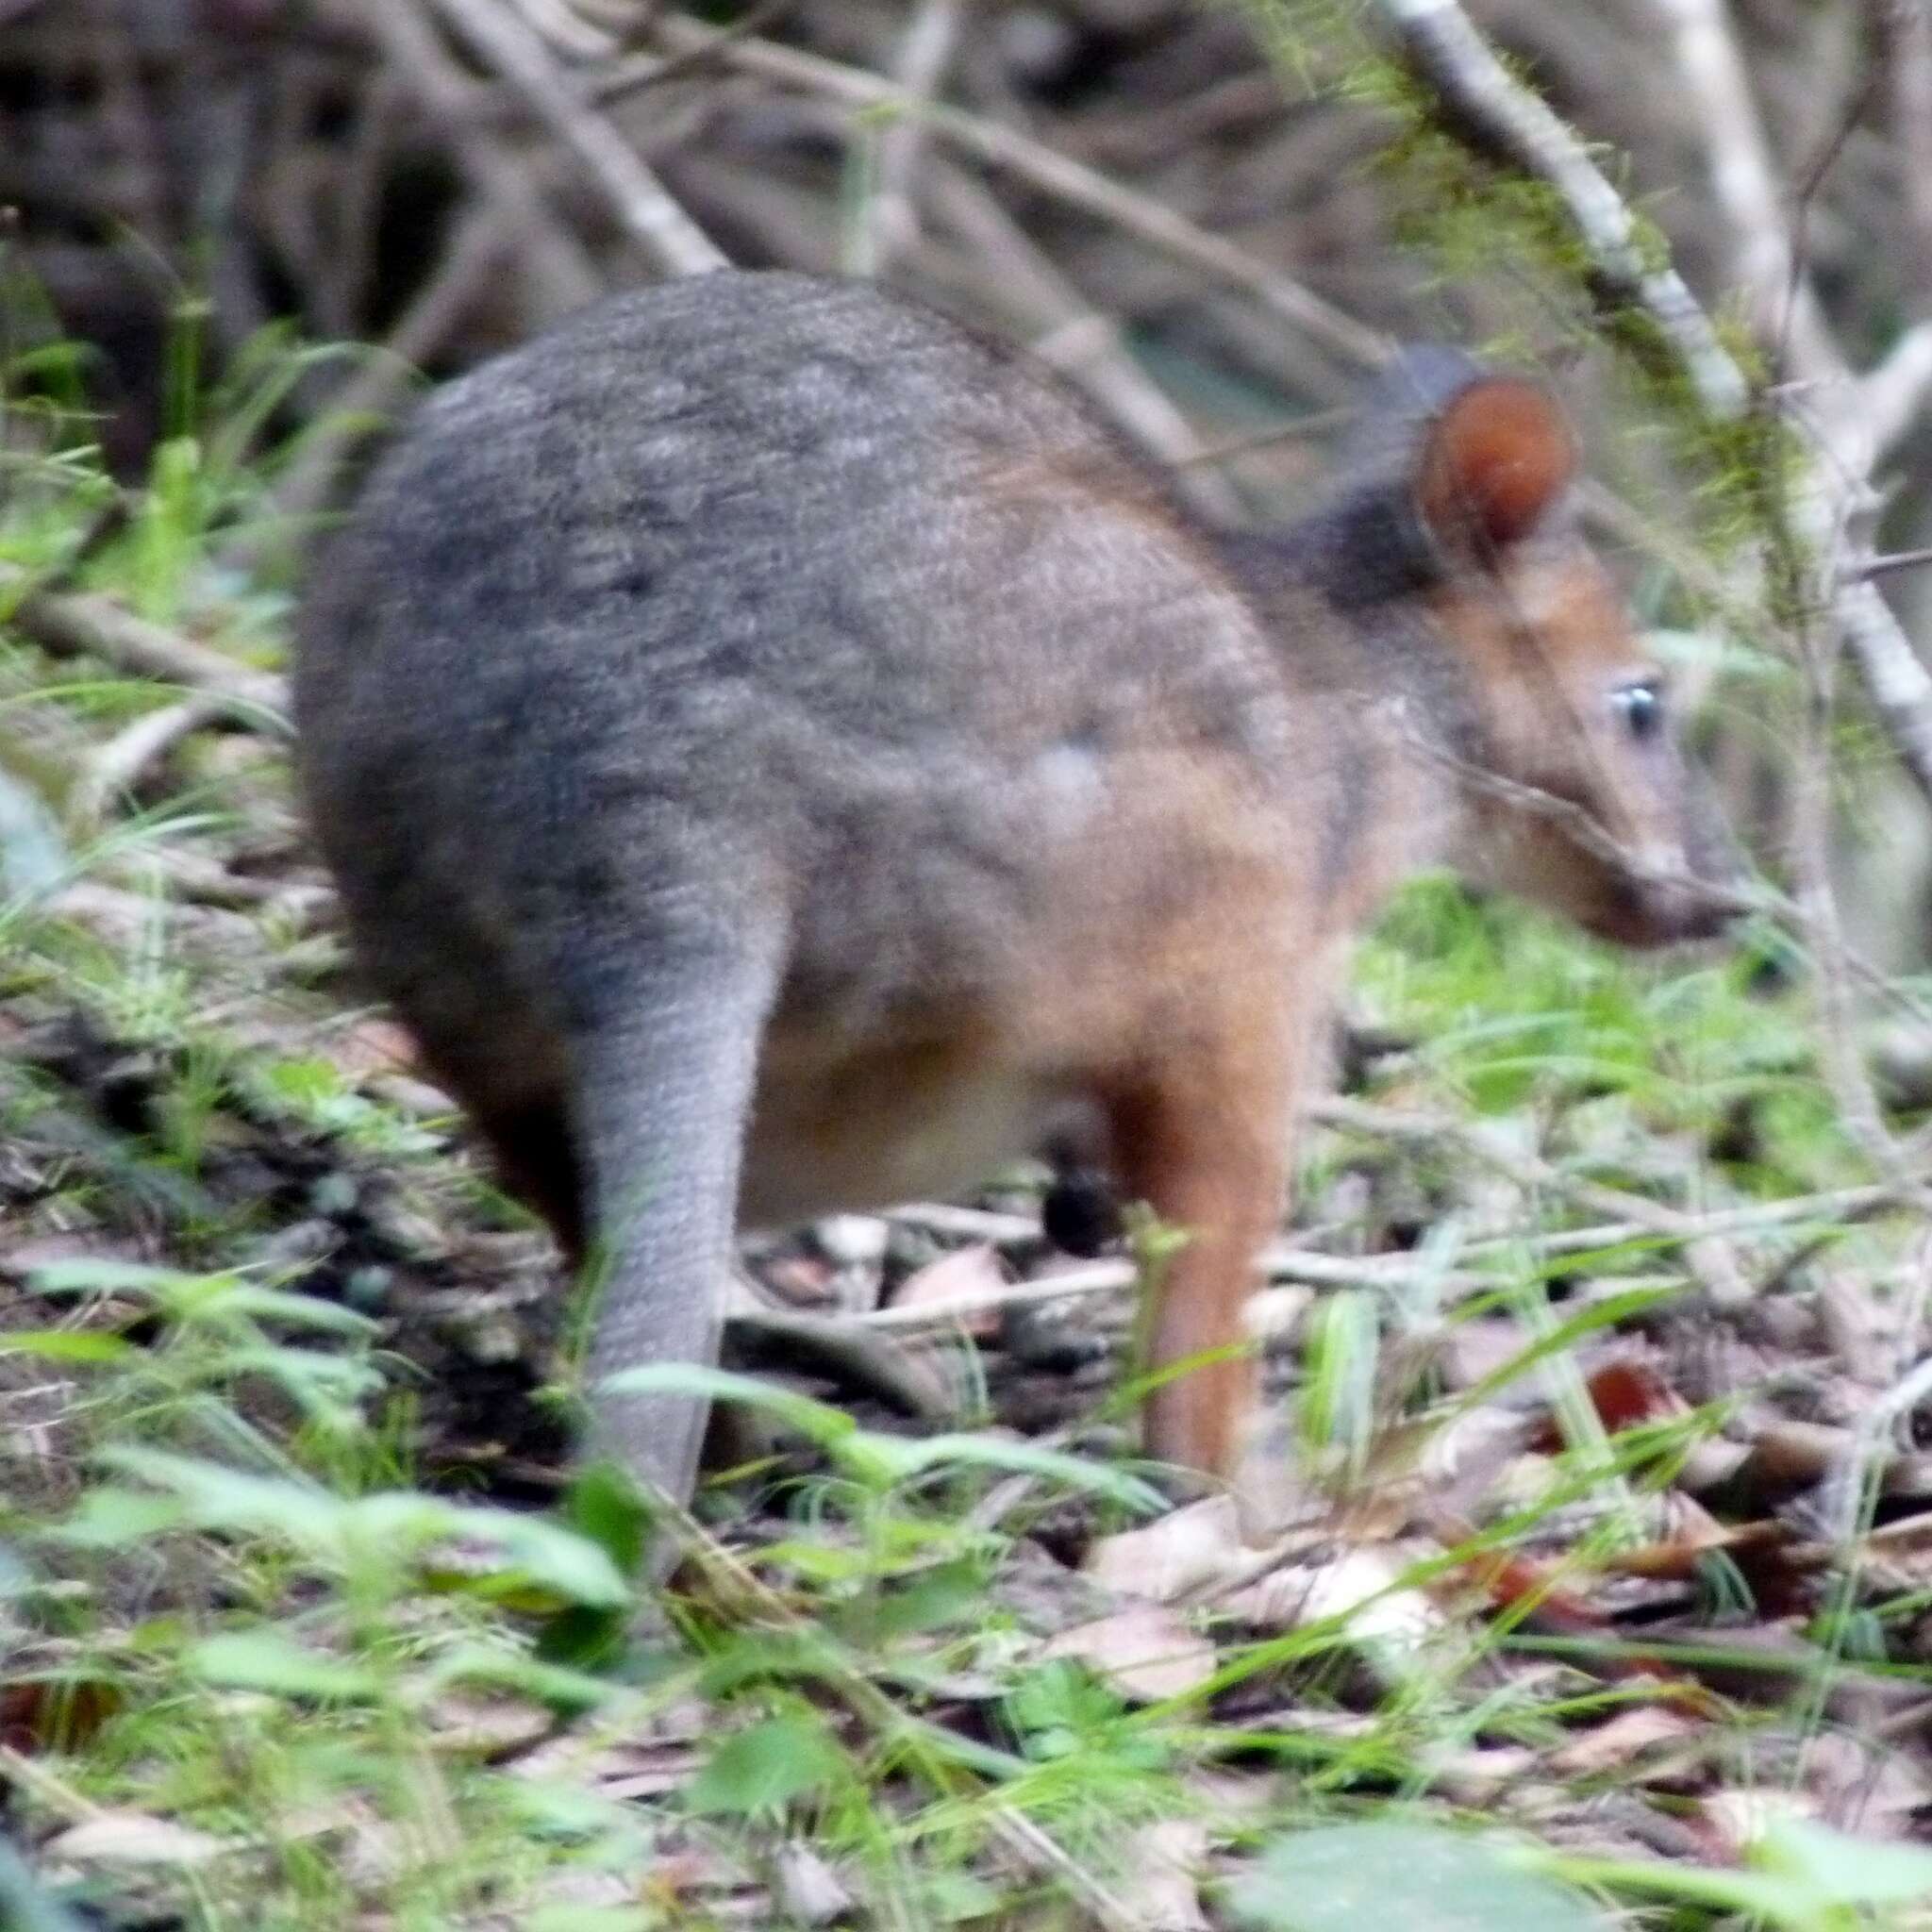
<point>82,623</point>
<point>120,764</point>
<point>1639,1220</point>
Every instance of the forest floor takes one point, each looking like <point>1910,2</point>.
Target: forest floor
<point>1607,1564</point>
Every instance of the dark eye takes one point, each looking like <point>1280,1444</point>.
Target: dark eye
<point>1642,706</point>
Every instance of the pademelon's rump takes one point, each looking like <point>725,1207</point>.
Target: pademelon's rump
<point>781,752</point>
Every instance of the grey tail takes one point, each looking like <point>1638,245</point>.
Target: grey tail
<point>663,1097</point>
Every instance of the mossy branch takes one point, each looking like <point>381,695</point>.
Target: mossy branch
<point>1477,100</point>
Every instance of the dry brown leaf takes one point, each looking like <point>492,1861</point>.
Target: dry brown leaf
<point>373,1046</point>
<point>1864,1787</point>
<point>809,1891</point>
<point>1241,1798</point>
<point>1677,1559</point>
<point>1624,1390</point>
<point>1146,1651</point>
<point>572,1889</point>
<point>1477,1773</point>
<point>1739,1814</point>
<point>1162,1874</point>
<point>59,1711</point>
<point>1392,1623</point>
<point>488,1726</point>
<point>1275,1314</point>
<point>796,1281</point>
<point>658,1754</point>
<point>129,1840</point>
<point>1857,1332</point>
<point>1622,1740</point>
<point>1907,1535</point>
<point>1464,1460</point>
<point>967,1275</point>
<point>1184,1551</point>
<point>1476,1350</point>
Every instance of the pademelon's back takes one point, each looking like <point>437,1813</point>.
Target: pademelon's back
<point>786,567</point>
<point>720,446</point>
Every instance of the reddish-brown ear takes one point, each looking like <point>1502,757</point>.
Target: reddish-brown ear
<point>1493,463</point>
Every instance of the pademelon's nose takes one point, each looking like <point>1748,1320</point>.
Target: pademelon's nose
<point>1690,906</point>
<point>1671,898</point>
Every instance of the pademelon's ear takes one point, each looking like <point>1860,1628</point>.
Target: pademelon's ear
<point>1493,464</point>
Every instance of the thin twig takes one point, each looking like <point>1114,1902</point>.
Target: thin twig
<point>889,219</point>
<point>1502,121</point>
<point>1158,226</point>
<point>1527,1168</point>
<point>1898,559</point>
<point>1759,897</point>
<point>120,764</point>
<point>643,206</point>
<point>1036,1850</point>
<point>1890,398</point>
<point>1637,1221</point>
<point>1904,33</point>
<point>449,100</point>
<point>1766,260</point>
<point>1806,525</point>
<point>640,75</point>
<point>1231,449</point>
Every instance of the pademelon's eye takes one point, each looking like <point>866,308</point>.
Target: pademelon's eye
<point>1642,707</point>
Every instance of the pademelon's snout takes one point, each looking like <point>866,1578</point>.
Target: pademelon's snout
<point>1645,913</point>
<point>1690,889</point>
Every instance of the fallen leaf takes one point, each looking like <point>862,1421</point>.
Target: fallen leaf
<point>373,1046</point>
<point>493,1727</point>
<point>972,1278</point>
<point>1864,1787</point>
<point>1179,1552</point>
<point>1624,1392</point>
<point>797,1281</point>
<point>1275,1314</point>
<point>1473,1351</point>
<point>1147,1652</point>
<point>1694,1533</point>
<point>1390,1621</point>
<point>1621,1740</point>
<point>56,1712</point>
<point>129,1840</point>
<point>1162,1874</point>
<point>1477,1774</point>
<point>809,1891</point>
<point>1739,1814</point>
